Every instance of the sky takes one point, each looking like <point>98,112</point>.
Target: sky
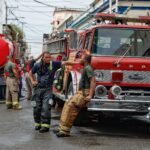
<point>36,18</point>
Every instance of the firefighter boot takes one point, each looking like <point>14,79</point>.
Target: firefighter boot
<point>55,131</point>
<point>17,107</point>
<point>44,129</point>
<point>62,134</point>
<point>37,126</point>
<point>9,106</point>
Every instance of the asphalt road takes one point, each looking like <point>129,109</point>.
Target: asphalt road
<point>17,133</point>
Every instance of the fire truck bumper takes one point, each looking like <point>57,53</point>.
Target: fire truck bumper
<point>130,106</point>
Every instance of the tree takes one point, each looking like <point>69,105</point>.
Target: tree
<point>17,33</point>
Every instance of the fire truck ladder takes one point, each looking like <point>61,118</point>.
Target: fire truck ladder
<point>123,19</point>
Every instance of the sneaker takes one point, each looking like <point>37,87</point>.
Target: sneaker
<point>43,130</point>
<point>55,131</point>
<point>60,134</point>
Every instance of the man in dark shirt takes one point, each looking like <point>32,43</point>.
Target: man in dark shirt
<point>73,106</point>
<point>45,71</point>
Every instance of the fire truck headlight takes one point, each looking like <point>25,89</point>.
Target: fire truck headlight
<point>99,75</point>
<point>100,91</point>
<point>116,90</point>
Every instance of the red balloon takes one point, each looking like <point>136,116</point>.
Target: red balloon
<point>4,52</point>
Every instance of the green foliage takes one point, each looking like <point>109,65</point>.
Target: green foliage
<point>16,33</point>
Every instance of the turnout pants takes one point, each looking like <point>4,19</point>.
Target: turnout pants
<point>12,89</point>
<point>71,109</point>
<point>28,86</point>
<point>42,108</point>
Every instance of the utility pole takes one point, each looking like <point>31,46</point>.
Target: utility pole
<point>7,9</point>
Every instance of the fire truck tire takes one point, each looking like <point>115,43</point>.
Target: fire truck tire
<point>82,118</point>
<point>148,128</point>
<point>2,92</point>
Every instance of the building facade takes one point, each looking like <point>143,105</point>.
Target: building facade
<point>64,17</point>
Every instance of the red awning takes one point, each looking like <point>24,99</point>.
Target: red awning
<point>4,52</point>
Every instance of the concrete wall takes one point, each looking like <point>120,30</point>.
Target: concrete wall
<point>60,16</point>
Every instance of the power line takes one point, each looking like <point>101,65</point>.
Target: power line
<point>52,6</point>
<point>40,25</point>
<point>31,29</point>
<point>34,11</point>
<point>34,28</point>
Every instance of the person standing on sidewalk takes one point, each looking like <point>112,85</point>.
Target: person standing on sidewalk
<point>28,66</point>
<point>82,97</point>
<point>12,85</point>
<point>42,93</point>
<point>20,71</point>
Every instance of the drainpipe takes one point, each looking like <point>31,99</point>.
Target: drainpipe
<point>110,6</point>
<point>116,6</point>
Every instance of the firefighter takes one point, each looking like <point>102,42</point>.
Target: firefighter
<point>79,100</point>
<point>42,93</point>
<point>12,85</point>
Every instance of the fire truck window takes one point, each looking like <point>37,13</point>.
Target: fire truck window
<point>120,42</point>
<point>87,42</point>
<point>73,40</point>
<point>80,42</point>
<point>56,46</point>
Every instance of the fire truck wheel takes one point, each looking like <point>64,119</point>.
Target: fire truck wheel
<point>2,92</point>
<point>149,129</point>
<point>82,118</point>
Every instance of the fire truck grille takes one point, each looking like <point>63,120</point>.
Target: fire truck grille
<point>128,76</point>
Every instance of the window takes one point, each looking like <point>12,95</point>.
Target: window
<point>56,47</point>
<point>120,42</point>
<point>87,41</point>
<point>73,40</point>
<point>80,42</point>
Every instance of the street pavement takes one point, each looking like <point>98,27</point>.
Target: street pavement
<point>17,133</point>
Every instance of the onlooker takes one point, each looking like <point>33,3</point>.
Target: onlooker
<point>42,94</point>
<point>20,71</point>
<point>83,96</point>
<point>12,85</point>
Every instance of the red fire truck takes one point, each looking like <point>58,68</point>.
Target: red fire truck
<point>4,52</point>
<point>7,48</point>
<point>120,49</point>
<point>59,47</point>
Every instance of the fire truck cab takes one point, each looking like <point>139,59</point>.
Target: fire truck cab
<point>120,49</point>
